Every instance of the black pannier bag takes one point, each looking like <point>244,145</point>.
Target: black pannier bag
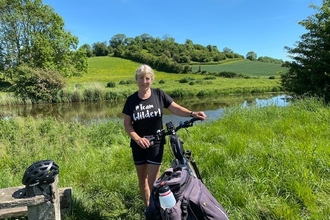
<point>193,200</point>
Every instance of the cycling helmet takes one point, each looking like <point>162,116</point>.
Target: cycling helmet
<point>41,172</point>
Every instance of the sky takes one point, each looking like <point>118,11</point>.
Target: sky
<point>262,26</point>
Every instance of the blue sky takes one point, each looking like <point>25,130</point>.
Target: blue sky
<point>262,26</point>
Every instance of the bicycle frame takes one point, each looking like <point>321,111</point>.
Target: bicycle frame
<point>182,158</point>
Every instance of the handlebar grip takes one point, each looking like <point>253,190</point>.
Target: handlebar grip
<point>195,119</point>
<point>187,123</point>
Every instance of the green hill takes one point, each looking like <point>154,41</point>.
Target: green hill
<point>105,69</point>
<point>245,67</point>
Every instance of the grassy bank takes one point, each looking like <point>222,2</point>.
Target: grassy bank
<point>260,163</point>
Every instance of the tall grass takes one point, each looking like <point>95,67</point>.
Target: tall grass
<point>260,163</point>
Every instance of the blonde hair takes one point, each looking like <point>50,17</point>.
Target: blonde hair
<point>143,70</point>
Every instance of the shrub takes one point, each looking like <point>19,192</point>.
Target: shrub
<point>126,82</point>
<point>227,74</point>
<point>177,93</point>
<point>38,85</point>
<point>111,85</point>
<point>210,77</point>
<point>184,80</point>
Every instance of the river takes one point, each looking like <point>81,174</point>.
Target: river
<point>98,112</point>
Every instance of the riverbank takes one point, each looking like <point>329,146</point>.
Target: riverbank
<point>260,163</point>
<point>103,111</point>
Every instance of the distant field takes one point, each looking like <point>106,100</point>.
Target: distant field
<point>105,69</point>
<point>245,67</point>
<point>102,70</point>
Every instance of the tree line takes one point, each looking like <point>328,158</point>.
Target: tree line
<point>162,54</point>
<point>165,54</point>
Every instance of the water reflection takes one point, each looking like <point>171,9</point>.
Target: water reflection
<point>213,114</point>
<point>280,100</point>
<point>98,112</point>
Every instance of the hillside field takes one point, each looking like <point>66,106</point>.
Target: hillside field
<point>245,67</point>
<point>105,69</point>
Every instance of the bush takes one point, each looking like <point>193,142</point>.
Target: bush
<point>184,80</point>
<point>227,74</point>
<point>38,85</point>
<point>210,77</point>
<point>111,85</point>
<point>126,82</point>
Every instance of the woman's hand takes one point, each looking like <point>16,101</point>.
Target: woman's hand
<point>200,115</point>
<point>143,143</point>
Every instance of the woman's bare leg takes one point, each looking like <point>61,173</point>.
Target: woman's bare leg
<point>147,175</point>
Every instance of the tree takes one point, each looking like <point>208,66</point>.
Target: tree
<point>100,49</point>
<point>227,50</point>
<point>88,50</point>
<point>117,40</point>
<point>308,73</point>
<point>33,34</point>
<point>251,56</point>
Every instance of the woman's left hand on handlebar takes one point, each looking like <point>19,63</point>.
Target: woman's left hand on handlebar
<point>200,115</point>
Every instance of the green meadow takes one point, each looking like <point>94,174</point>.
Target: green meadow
<point>245,67</point>
<point>259,163</point>
<point>103,70</point>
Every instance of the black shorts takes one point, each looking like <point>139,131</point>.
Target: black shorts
<point>152,155</point>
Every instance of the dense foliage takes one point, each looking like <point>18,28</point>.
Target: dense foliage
<point>35,85</point>
<point>32,34</point>
<point>165,54</point>
<point>309,71</point>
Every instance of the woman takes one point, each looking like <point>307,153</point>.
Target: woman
<point>143,117</point>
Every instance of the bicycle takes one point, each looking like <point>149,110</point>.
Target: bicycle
<point>182,157</point>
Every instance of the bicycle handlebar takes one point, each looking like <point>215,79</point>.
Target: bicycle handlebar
<point>182,157</point>
<point>171,129</point>
<point>186,124</point>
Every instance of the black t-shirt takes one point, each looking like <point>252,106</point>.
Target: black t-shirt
<point>147,114</point>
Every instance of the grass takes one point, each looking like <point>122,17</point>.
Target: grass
<point>92,86</point>
<point>260,163</point>
<point>245,67</point>
<point>110,69</point>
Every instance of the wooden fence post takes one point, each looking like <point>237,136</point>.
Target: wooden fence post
<point>48,210</point>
